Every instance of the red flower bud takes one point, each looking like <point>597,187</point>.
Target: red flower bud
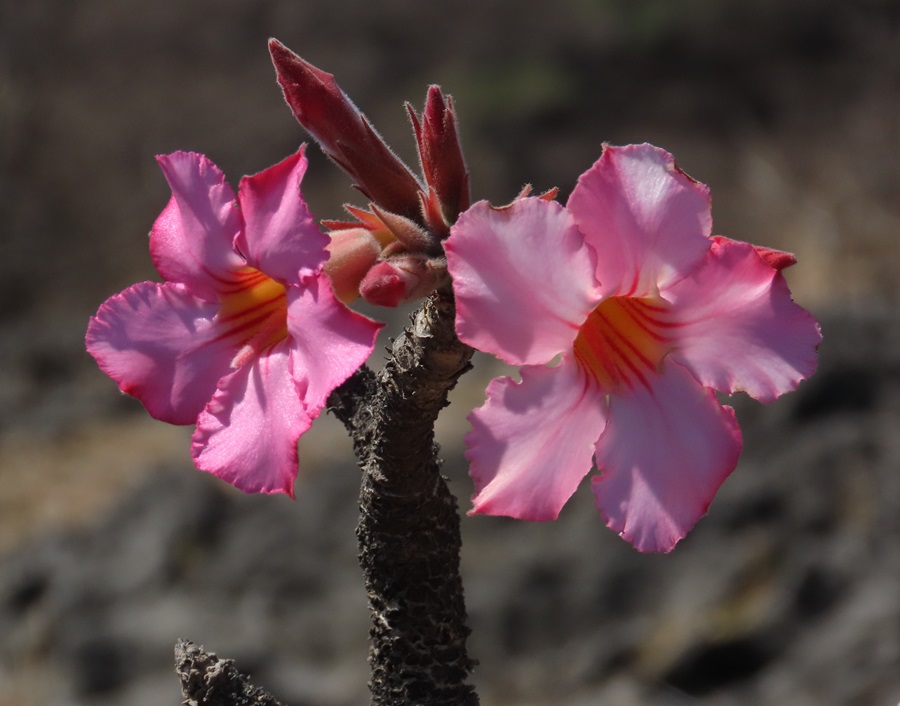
<point>402,279</point>
<point>440,153</point>
<point>344,134</point>
<point>352,253</point>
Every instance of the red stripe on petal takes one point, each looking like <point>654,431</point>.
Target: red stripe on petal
<point>623,341</point>
<point>253,314</point>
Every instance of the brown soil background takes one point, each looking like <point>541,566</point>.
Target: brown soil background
<point>111,546</point>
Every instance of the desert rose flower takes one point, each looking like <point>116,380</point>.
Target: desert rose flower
<point>626,316</point>
<point>245,337</point>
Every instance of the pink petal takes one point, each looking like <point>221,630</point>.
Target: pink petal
<point>523,279</point>
<point>280,236</point>
<point>663,456</point>
<point>160,344</point>
<point>739,328</point>
<point>329,341</point>
<point>191,241</point>
<point>778,259</point>
<point>248,433</point>
<point>648,221</point>
<point>532,442</point>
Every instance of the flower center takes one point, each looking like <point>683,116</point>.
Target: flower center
<point>254,311</point>
<point>624,340</point>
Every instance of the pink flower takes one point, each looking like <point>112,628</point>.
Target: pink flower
<point>245,337</point>
<point>646,323</point>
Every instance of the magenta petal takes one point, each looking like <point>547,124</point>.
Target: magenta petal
<point>192,240</point>
<point>739,328</point>
<point>280,236</point>
<point>329,341</point>
<point>523,279</point>
<point>248,433</point>
<point>648,221</point>
<point>532,442</point>
<point>778,259</point>
<point>663,456</point>
<point>160,344</point>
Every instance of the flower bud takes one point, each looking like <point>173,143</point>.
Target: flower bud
<point>353,252</point>
<point>402,279</point>
<point>344,133</point>
<point>441,155</point>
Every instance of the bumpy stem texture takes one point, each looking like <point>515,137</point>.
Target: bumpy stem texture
<point>207,680</point>
<point>408,532</point>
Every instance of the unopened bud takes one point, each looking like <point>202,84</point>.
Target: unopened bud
<point>352,253</point>
<point>441,155</point>
<point>344,134</point>
<point>402,279</point>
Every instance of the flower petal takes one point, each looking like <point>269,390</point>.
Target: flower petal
<point>523,279</point>
<point>739,328</point>
<point>532,442</point>
<point>248,433</point>
<point>778,259</point>
<point>662,457</point>
<point>648,221</point>
<point>191,241</point>
<point>161,345</point>
<point>280,236</point>
<point>329,341</point>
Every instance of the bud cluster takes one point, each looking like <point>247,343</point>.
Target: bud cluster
<point>391,252</point>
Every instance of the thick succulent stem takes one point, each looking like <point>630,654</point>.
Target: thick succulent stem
<point>408,532</point>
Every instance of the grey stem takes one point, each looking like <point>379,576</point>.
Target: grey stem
<point>409,538</point>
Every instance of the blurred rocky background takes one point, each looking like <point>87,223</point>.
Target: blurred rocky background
<point>112,546</point>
